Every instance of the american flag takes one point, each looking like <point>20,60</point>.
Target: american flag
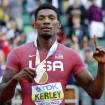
<point>58,56</point>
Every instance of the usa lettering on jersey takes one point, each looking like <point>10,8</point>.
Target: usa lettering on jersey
<point>50,65</point>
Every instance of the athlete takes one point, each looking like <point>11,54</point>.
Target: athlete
<point>43,67</point>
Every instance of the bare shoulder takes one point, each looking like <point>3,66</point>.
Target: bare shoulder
<point>9,74</point>
<point>84,77</point>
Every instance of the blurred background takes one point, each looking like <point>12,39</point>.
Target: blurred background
<point>80,20</point>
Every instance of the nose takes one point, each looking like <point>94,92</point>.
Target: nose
<point>46,21</point>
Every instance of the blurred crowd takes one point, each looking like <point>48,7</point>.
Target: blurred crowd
<point>80,20</point>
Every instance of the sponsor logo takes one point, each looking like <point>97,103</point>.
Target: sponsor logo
<point>32,55</point>
<point>50,87</point>
<point>38,89</point>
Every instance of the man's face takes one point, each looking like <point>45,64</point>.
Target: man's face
<point>76,20</point>
<point>47,22</point>
<point>13,24</point>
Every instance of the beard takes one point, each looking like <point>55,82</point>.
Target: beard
<point>46,36</point>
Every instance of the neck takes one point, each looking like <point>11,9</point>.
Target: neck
<point>76,25</point>
<point>45,45</point>
<point>95,4</point>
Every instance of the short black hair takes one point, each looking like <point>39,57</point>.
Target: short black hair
<point>46,6</point>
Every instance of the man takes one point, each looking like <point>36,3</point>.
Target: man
<point>52,59</point>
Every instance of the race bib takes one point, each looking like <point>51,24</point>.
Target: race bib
<point>48,94</point>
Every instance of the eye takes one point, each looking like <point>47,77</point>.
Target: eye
<point>52,18</point>
<point>40,18</point>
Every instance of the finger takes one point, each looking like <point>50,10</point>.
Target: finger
<point>96,53</point>
<point>28,77</point>
<point>95,41</point>
<point>99,48</point>
<point>102,51</point>
<point>33,70</point>
<point>30,72</point>
<point>35,74</point>
<point>99,52</point>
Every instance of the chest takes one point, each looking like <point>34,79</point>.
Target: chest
<point>58,65</point>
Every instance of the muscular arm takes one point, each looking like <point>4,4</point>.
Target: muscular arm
<point>7,87</point>
<point>94,87</point>
<point>10,79</point>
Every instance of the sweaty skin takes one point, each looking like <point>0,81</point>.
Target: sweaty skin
<point>48,18</point>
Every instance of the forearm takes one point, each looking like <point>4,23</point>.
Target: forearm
<point>97,86</point>
<point>7,90</point>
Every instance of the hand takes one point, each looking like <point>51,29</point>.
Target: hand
<point>25,74</point>
<point>99,54</point>
<point>74,38</point>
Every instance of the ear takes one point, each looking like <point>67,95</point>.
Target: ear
<point>35,26</point>
<point>59,25</point>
